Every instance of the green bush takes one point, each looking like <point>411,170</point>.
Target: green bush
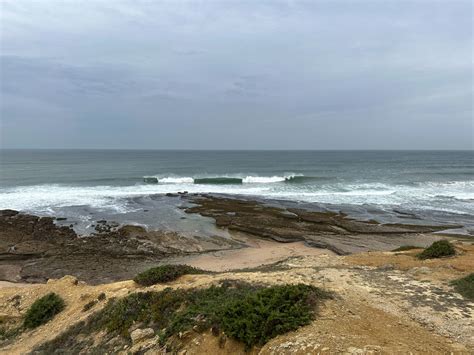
<point>165,273</point>
<point>406,248</point>
<point>43,310</point>
<point>250,313</point>
<point>269,312</point>
<point>465,286</point>
<point>438,249</point>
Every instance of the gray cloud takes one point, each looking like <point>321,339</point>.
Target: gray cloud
<point>240,74</point>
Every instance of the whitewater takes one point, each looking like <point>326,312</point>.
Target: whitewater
<point>428,186</point>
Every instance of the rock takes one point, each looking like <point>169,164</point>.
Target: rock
<point>223,221</point>
<point>420,270</point>
<point>139,334</point>
<point>373,349</point>
<point>8,213</point>
<point>386,267</point>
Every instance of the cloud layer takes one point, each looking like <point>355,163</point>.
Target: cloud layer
<point>237,74</point>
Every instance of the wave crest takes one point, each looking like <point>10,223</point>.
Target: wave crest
<point>226,180</point>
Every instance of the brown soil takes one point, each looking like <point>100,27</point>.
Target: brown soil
<point>377,308</point>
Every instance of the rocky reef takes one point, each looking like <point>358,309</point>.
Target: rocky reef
<point>328,230</point>
<point>35,249</point>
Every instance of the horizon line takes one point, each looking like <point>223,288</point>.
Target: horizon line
<point>249,150</point>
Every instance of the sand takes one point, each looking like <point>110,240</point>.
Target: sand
<point>260,252</point>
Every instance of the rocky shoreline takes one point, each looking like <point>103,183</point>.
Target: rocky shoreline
<point>384,301</point>
<point>328,230</point>
<point>34,249</point>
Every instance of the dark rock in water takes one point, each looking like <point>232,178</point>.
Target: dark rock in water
<point>8,213</point>
<point>61,218</point>
<point>102,221</point>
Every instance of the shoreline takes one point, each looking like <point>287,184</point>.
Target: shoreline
<point>388,301</point>
<point>35,249</point>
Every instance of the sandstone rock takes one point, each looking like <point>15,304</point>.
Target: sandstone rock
<point>420,270</point>
<point>139,334</point>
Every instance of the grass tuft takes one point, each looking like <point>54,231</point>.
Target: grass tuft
<point>465,286</point>
<point>43,310</point>
<point>165,273</point>
<point>439,249</point>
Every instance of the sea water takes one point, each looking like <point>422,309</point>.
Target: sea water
<point>390,186</point>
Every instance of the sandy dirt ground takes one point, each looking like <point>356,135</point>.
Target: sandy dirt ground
<point>260,252</point>
<point>384,302</point>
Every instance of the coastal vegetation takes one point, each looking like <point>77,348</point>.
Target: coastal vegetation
<point>262,315</point>
<point>165,273</point>
<point>439,249</point>
<point>249,313</point>
<point>43,310</point>
<point>465,286</point>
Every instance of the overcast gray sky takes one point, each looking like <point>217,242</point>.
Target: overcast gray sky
<point>237,74</point>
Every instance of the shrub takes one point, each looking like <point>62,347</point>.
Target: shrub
<point>406,248</point>
<point>250,313</point>
<point>465,286</point>
<point>438,249</point>
<point>43,310</point>
<point>165,273</point>
<point>269,312</point>
<point>89,305</point>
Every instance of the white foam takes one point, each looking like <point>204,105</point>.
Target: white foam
<point>262,179</point>
<point>454,196</point>
<point>176,180</point>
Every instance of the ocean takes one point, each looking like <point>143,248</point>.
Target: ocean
<point>390,186</point>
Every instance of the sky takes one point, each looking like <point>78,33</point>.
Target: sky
<point>236,74</point>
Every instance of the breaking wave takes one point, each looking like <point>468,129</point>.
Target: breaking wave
<point>231,180</point>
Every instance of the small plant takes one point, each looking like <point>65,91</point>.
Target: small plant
<point>406,248</point>
<point>165,273</point>
<point>101,296</point>
<point>465,286</point>
<point>89,305</point>
<point>438,249</point>
<point>43,310</point>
